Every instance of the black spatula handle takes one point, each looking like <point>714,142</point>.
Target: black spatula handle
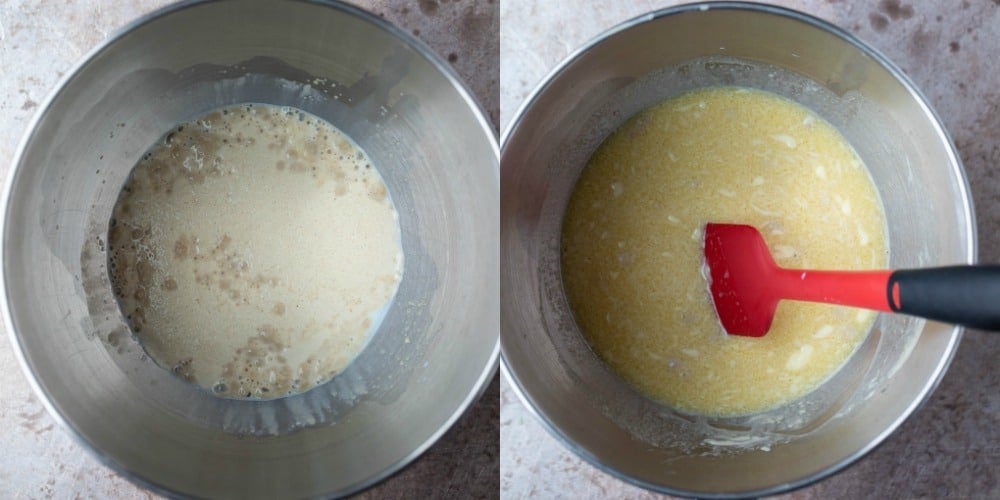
<point>962,295</point>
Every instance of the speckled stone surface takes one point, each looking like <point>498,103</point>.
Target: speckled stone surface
<point>39,42</point>
<point>951,447</point>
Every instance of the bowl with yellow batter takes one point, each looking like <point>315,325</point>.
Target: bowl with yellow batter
<point>721,112</point>
<point>251,250</point>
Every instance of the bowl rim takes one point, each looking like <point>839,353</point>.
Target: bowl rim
<point>481,383</point>
<point>955,165</point>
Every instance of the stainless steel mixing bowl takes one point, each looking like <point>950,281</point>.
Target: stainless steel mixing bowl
<point>438,345</point>
<point>913,164</point>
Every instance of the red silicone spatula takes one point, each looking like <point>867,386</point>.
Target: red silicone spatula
<point>746,286</point>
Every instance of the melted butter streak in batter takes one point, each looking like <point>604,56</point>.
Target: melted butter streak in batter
<point>254,250</point>
<point>632,256</point>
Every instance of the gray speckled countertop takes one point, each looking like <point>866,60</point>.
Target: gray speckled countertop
<point>40,40</point>
<point>951,447</point>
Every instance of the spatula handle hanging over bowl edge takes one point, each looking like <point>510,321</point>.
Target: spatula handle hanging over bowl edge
<point>746,286</point>
<point>962,295</point>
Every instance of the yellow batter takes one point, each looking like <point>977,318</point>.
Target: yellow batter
<point>632,246</point>
<point>253,249</point>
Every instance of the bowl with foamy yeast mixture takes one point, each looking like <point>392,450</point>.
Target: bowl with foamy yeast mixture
<point>251,250</point>
<point>733,113</point>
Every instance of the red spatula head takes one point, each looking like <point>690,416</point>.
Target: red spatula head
<point>741,272</point>
<point>746,284</point>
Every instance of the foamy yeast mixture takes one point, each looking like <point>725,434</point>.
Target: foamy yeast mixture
<point>253,249</point>
<point>632,247</point>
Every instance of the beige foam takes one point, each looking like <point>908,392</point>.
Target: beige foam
<point>251,250</point>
